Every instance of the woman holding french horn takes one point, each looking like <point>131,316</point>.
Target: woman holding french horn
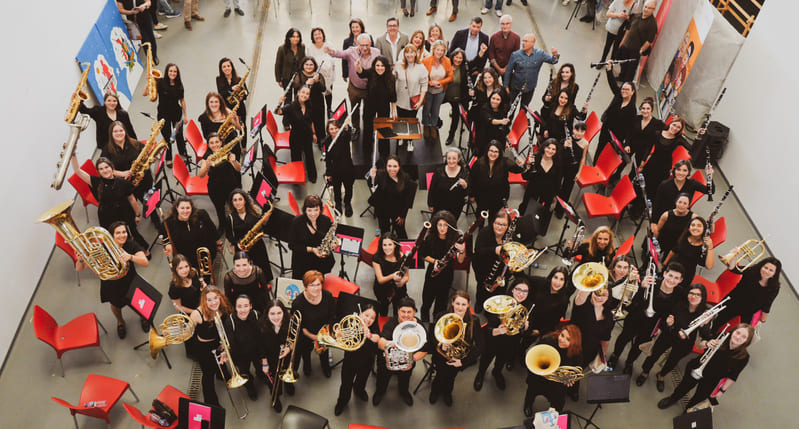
<point>456,344</point>
<point>190,229</point>
<point>358,363</point>
<point>567,345</point>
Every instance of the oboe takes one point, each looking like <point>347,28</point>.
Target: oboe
<point>710,220</point>
<point>286,93</point>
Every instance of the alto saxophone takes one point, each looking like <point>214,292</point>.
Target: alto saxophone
<point>238,95</point>
<point>330,241</point>
<point>152,74</point>
<point>149,153</point>
<point>228,126</point>
<point>221,156</point>
<point>255,234</point>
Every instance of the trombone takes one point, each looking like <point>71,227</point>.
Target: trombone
<point>287,374</point>
<point>236,379</point>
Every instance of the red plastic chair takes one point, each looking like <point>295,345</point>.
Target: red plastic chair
<point>626,246</point>
<point>519,127</point>
<point>600,205</point>
<point>295,208</point>
<point>727,281</point>
<point>292,173</point>
<point>193,185</point>
<point>169,396</point>
<point>607,163</point>
<point>281,139</point>
<point>516,179</point>
<point>78,333</point>
<point>82,188</point>
<point>335,285</point>
<point>62,244</point>
<point>97,388</point>
<point>381,321</point>
<point>195,138</point>
<point>719,234</point>
<point>699,177</point>
<point>360,426</point>
<point>713,292</point>
<point>592,126</point>
<point>680,154</point>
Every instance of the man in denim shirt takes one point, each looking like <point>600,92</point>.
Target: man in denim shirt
<point>521,74</point>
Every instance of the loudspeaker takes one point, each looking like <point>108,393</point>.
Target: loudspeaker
<point>715,138</point>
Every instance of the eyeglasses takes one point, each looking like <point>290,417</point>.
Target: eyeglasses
<point>315,285</point>
<point>694,294</point>
<point>521,290</point>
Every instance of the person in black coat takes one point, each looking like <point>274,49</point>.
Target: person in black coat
<point>306,234</point>
<point>543,182</point>
<point>172,108</point>
<point>658,164</point>
<point>106,114</point>
<point>678,183</point>
<point>492,122</point>
<point>449,185</point>
<point>122,150</point>
<point>380,102</point>
<point>273,327</point>
<point>460,39</point>
<point>308,75</point>
<point>389,285</point>
<point>490,186</point>
<point>393,197</point>
<point>297,117</point>
<point>551,296</point>
<point>222,179</point>
<point>434,248</point>
<point>448,363</point>
<point>619,116</point>
<point>593,314</point>
<point>357,365</point>
<point>338,164</point>
<point>241,329</point>
<point>564,80</point>
<point>189,229</point>
<point>318,308</point>
<point>228,82</point>
<point>567,342</point>
<point>756,291</point>
<point>559,116</point>
<point>689,247</point>
<point>242,215</point>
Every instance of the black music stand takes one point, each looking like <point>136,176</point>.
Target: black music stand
<point>607,388</point>
<point>197,415</point>
<point>351,238</point>
<point>574,15</point>
<point>700,419</point>
<point>144,299</point>
<point>279,229</point>
<point>571,216</point>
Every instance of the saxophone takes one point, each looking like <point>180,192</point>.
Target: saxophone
<point>219,157</point>
<point>228,126</point>
<point>152,74</point>
<point>238,95</point>
<point>330,241</point>
<point>78,96</point>
<point>255,234</point>
<point>149,153</point>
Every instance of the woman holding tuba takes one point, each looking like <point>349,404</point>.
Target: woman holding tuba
<point>212,301</point>
<point>456,352</point>
<point>318,308</point>
<point>189,229</point>
<point>106,114</point>
<point>242,216</point>
<point>358,364</point>
<point>274,329</point>
<point>756,291</point>
<point>308,230</point>
<point>114,291</point>
<point>567,342</point>
<point>223,178</point>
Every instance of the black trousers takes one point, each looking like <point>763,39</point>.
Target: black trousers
<point>387,294</point>
<point>347,183</point>
<point>436,290</point>
<point>483,294</point>
<point>500,349</point>
<point>628,70</point>
<point>145,23</point>
<point>444,381</point>
<point>354,375</point>
<point>384,376</point>
<point>166,133</point>
<point>243,366</point>
<point>611,41</point>
<point>305,348</point>
<point>679,349</point>
<point>554,392</point>
<point>388,223</point>
<point>304,148</point>
<point>210,371</point>
<point>704,387</point>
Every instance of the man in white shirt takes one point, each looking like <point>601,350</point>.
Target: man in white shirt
<point>392,42</point>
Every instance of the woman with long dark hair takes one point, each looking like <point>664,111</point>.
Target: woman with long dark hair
<point>338,165</point>
<point>389,286</point>
<point>756,291</point>
<point>689,248</point>
<point>189,229</point>
<point>357,365</point>
<point>620,114</point>
<point>274,329</point>
<point>222,179</point>
<point>559,116</point>
<point>381,101</point>
<point>457,93</point>
<point>657,165</point>
<point>288,57</point>
<point>122,150</point>
<point>490,185</point>
<point>492,122</point>
<point>393,197</point>
<point>242,215</point>
<point>171,108</point>
<point>551,296</point>
<point>449,186</point>
<point>434,248</point>
<point>564,80</point>
<point>241,328</point>
<point>184,291</point>
<point>544,183</point>
<point>215,114</point>
<point>672,223</point>
<point>298,117</point>
<point>106,114</point>
<point>678,183</point>
<point>228,82</point>
<point>308,75</point>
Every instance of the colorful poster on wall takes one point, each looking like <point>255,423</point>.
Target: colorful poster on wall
<point>115,65</point>
<point>684,58</point>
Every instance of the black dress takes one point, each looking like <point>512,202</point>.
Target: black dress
<point>593,331</point>
<point>171,111</point>
<point>114,291</point>
<point>301,137</point>
<point>444,379</point>
<point>208,126</point>
<point>487,131</point>
<point>103,123</point>
<point>390,202</point>
<point>189,296</point>
<point>671,231</point>
<point>112,196</point>
<point>300,238</point>
<point>439,195</point>
<point>690,257</point>
<point>747,298</point>
<point>188,236</point>
<point>123,160</point>
<point>556,124</point>
<point>314,317</point>
<point>617,119</point>
<point>642,140</point>
<point>667,193</point>
<point>225,89</point>
<point>236,228</point>
<point>436,289</point>
<point>316,102</point>
<point>542,185</point>
<point>491,189</point>
<point>658,168</point>
<point>549,307</point>
<point>256,286</point>
<point>554,391</point>
<point>243,336</point>
<point>389,291</point>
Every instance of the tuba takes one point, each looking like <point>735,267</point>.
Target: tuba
<point>450,329</point>
<point>228,125</point>
<point>330,241</point>
<point>590,276</point>
<point>78,96</point>
<point>177,328</point>
<point>255,234</point>
<point>346,335</point>
<point>95,246</point>
<point>152,74</point>
<point>287,375</point>
<point>544,360</point>
<point>745,255</point>
<point>236,379</point>
<point>149,153</point>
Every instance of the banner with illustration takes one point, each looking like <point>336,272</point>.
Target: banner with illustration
<point>684,58</point>
<point>114,63</point>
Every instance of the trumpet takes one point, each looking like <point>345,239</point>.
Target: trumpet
<point>347,335</point>
<point>450,329</point>
<point>705,317</point>
<point>630,288</point>
<point>651,271</point>
<point>720,339</point>
<point>544,360</point>
<point>745,255</point>
<point>205,263</point>
<point>152,73</point>
<point>236,380</point>
<point>287,375</point>
<point>590,276</point>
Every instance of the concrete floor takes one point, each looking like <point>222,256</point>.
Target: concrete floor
<point>761,398</point>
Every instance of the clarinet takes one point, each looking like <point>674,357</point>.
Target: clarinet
<point>593,87</point>
<point>573,159</point>
<point>551,84</point>
<point>711,187</point>
<point>710,220</point>
<point>286,93</point>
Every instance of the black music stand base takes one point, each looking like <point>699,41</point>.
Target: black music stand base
<point>588,421</point>
<point>606,388</point>
<point>343,273</point>
<point>428,375</point>
<point>163,353</point>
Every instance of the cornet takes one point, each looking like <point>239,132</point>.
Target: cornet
<point>745,255</point>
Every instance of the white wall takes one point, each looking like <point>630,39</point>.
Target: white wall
<point>759,107</point>
<point>40,74</point>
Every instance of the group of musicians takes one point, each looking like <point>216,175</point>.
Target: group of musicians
<point>659,310</point>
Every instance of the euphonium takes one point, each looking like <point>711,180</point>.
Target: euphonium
<point>406,339</point>
<point>544,360</point>
<point>95,246</point>
<point>228,125</point>
<point>590,276</point>
<point>149,153</point>
<point>330,241</point>
<point>204,262</point>
<point>629,290</point>
<point>255,234</point>
<point>347,335</point>
<point>221,156</point>
<point>744,256</point>
<point>79,95</point>
<point>287,375</point>
<point>75,129</point>
<point>236,379</point>
<point>450,329</point>
<point>177,328</point>
<point>152,73</point>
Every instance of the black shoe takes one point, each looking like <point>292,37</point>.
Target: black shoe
<point>405,12</point>
<point>289,388</point>
<point>362,395</point>
<point>413,12</point>
<point>239,11</point>
<point>524,2</point>
<point>312,179</point>
<point>278,407</point>
<point>660,385</point>
<point>145,325</point>
<point>500,379</point>
<point>348,210</point>
<point>251,392</point>
<point>155,60</point>
<point>407,398</point>
<point>528,411</point>
<point>122,332</point>
<point>448,399</point>
<point>326,370</point>
<point>641,379</point>
<point>628,369</point>
<point>227,13</point>
<point>587,18</point>
<point>507,3</point>
<point>613,359</point>
<point>433,397</point>
<point>478,382</point>
<point>666,402</point>
<point>339,409</point>
<point>377,398</point>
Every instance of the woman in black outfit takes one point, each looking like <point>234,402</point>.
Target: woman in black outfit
<point>115,291</point>
<point>688,250</point>
<point>212,301</point>
<point>247,279</point>
<point>308,75</point>
<point>389,283</point>
<point>358,364</point>
<point>679,318</point>
<point>678,183</point>
<point>449,186</point>
<point>598,248</point>
<point>307,232</point>
<point>489,185</point>
<point>338,165</point>
<point>433,249</point>
<point>393,197</point>
<point>486,261</point>
<point>122,150</point>
<point>550,295</point>
<point>227,82</point>
<point>644,132</point>
<point>559,116</point>
<point>242,215</point>
<point>756,291</point>
<point>115,197</point>
<point>222,179</point>
<point>380,102</point>
<point>172,108</point>
<point>672,223</point>
<point>619,116</point>
<point>728,362</point>
<point>184,291</point>
<point>215,114</point>
<point>564,80</point>
<point>241,328</point>
<point>618,273</point>
<point>447,369</point>
<point>544,183</point>
<point>274,327</point>
<point>457,93</point>
<point>105,115</point>
<point>567,342</point>
<point>487,83</point>
<point>593,314</point>
<point>288,58</point>
<point>190,229</point>
<point>492,122</point>
<point>573,156</point>
<point>656,167</point>
<point>297,117</point>
<point>318,308</point>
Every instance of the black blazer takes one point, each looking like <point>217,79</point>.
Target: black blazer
<point>459,41</point>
